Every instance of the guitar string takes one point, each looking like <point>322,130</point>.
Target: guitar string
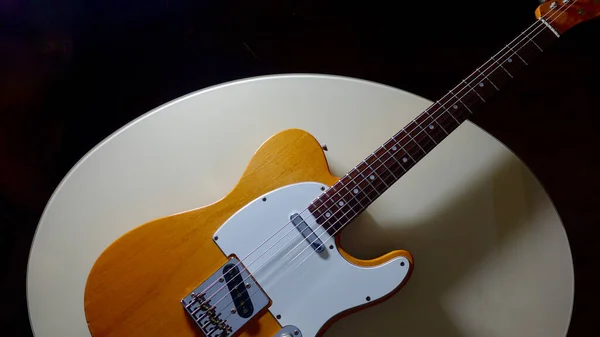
<point>446,94</point>
<point>340,228</point>
<point>569,4</point>
<point>434,119</point>
<point>330,236</point>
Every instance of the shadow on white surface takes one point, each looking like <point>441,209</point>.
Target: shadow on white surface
<point>479,240</point>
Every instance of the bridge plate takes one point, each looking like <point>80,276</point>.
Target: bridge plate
<point>226,301</point>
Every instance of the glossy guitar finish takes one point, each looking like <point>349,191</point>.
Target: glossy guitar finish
<point>135,286</point>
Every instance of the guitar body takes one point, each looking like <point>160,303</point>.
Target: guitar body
<point>136,286</point>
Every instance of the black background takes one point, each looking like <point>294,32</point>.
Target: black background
<point>72,72</point>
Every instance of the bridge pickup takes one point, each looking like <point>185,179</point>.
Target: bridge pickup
<point>226,301</point>
<point>307,232</point>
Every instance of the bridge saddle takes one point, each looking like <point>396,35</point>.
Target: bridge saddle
<point>226,301</point>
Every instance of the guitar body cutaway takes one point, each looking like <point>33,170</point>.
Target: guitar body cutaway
<point>135,286</point>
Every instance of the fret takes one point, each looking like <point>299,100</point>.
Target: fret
<point>362,185</point>
<point>544,37</point>
<point>420,137</point>
<point>393,166</point>
<point>329,213</point>
<point>465,98</point>
<point>394,151</point>
<point>503,68</point>
<point>403,156</point>
<point>406,132</point>
<point>511,63</point>
<point>428,129</point>
<point>410,145</point>
<point>368,173</point>
<point>445,118</point>
<point>432,118</point>
<point>481,84</point>
<point>351,190</point>
<point>535,44</point>
<point>340,195</point>
<point>470,89</point>
<point>514,53</point>
<point>486,77</point>
<point>382,171</point>
<point>357,188</point>
<point>442,112</point>
<point>455,106</point>
<point>387,155</point>
<point>527,50</point>
<point>432,127</point>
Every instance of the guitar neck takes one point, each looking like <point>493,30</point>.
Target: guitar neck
<point>362,185</point>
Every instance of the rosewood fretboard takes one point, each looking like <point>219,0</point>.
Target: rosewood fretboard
<point>355,191</point>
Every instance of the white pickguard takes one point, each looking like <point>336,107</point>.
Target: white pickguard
<point>306,288</point>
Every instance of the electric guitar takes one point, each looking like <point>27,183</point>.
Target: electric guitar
<point>266,260</point>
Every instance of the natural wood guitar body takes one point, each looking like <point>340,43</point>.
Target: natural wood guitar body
<point>135,286</point>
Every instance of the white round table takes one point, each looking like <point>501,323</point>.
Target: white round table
<point>492,258</point>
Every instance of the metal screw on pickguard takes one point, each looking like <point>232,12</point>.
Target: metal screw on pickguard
<point>323,188</point>
<point>402,263</point>
<point>330,246</point>
<point>221,279</point>
<point>216,238</point>
<point>233,310</point>
<point>248,285</point>
<point>264,199</point>
<point>296,332</point>
<point>278,316</point>
<point>368,298</point>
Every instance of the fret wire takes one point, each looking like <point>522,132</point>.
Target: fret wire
<point>438,123</point>
<point>444,113</point>
<point>475,91</point>
<point>411,137</point>
<point>501,66</point>
<point>519,56</point>
<point>529,38</point>
<point>400,164</point>
<point>461,102</point>
<point>487,78</point>
<point>423,130</point>
<point>435,120</point>
<point>393,155</point>
<point>361,205</point>
<point>387,168</point>
<point>402,147</point>
<point>357,185</point>
<point>373,174</point>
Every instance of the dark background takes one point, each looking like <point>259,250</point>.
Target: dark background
<point>72,72</point>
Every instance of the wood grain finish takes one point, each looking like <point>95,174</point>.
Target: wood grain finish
<point>135,286</point>
<point>564,15</point>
